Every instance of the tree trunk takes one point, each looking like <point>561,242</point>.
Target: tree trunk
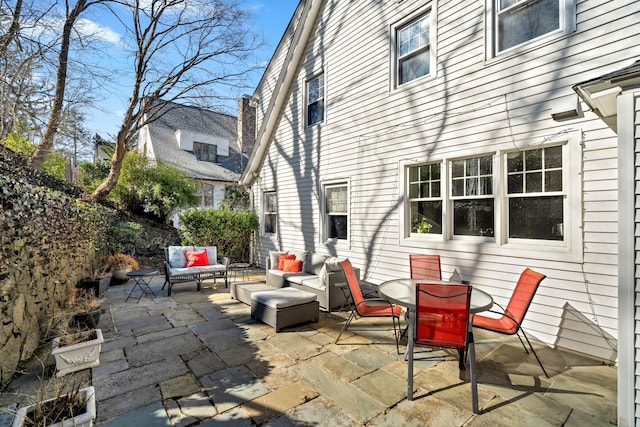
<point>46,144</point>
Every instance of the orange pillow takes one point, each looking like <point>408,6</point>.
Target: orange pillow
<point>292,265</point>
<point>282,258</point>
<point>196,258</point>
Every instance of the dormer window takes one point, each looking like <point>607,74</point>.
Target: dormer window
<point>205,152</point>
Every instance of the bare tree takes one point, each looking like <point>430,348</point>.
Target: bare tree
<point>184,50</point>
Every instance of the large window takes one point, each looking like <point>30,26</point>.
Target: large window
<point>535,194</point>
<point>516,22</point>
<point>315,100</point>
<point>413,50</point>
<point>336,211</point>
<point>425,198</point>
<point>270,213</point>
<point>472,195</point>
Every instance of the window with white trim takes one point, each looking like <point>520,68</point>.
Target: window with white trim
<point>425,198</point>
<point>413,49</point>
<point>472,196</point>
<point>517,22</point>
<point>315,100</point>
<point>205,152</point>
<point>270,213</point>
<point>535,198</point>
<point>336,211</point>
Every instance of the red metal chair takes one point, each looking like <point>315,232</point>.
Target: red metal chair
<point>369,307</point>
<point>425,266</point>
<point>510,322</point>
<point>442,320</point>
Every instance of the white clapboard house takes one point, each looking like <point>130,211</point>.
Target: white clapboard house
<point>499,134</point>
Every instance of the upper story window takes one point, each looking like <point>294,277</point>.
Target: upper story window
<point>413,49</point>
<point>425,198</point>
<point>336,211</point>
<point>315,100</point>
<point>516,22</point>
<point>205,152</point>
<point>270,213</point>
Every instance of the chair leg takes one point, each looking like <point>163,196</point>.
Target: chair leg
<point>346,324</point>
<point>533,351</point>
<point>474,382</point>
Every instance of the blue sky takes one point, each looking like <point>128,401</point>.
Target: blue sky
<point>270,16</point>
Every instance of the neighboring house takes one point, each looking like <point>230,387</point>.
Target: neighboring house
<point>201,142</point>
<point>379,121</point>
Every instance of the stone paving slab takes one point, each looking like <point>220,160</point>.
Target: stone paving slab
<point>383,387</point>
<point>160,334</point>
<point>210,326</point>
<point>203,362</point>
<point>153,415</point>
<point>316,412</point>
<point>279,401</point>
<point>161,348</point>
<point>183,317</point>
<point>232,387</point>
<point>183,385</point>
<point>121,404</point>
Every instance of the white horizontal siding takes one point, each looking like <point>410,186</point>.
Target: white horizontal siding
<point>468,107</point>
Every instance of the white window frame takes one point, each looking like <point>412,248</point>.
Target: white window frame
<point>568,249</point>
<point>431,13</point>
<point>408,229</point>
<point>324,214</point>
<point>322,100</point>
<point>567,25</point>
<point>265,212</point>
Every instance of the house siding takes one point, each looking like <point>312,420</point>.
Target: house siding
<point>470,106</point>
<point>636,311</point>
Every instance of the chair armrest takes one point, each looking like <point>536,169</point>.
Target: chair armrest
<point>225,261</point>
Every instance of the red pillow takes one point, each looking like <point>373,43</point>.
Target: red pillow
<point>196,258</point>
<point>282,258</point>
<point>292,265</point>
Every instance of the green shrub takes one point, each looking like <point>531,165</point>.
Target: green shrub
<point>230,231</point>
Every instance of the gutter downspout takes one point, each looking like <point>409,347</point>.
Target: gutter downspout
<point>303,32</point>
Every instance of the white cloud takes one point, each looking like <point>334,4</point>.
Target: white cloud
<point>92,28</point>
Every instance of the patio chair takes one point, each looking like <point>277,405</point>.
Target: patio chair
<point>369,307</point>
<point>425,266</point>
<point>510,321</point>
<point>442,320</point>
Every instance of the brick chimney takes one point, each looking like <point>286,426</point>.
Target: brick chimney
<point>246,125</point>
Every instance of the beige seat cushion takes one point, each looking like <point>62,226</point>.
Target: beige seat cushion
<point>283,297</point>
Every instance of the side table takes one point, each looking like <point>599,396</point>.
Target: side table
<point>243,267</point>
<point>142,278</point>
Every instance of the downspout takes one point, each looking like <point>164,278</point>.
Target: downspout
<point>307,21</point>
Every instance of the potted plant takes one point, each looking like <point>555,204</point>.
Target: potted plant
<point>76,349</point>
<point>97,280</point>
<point>76,407</point>
<point>119,264</point>
<point>85,308</point>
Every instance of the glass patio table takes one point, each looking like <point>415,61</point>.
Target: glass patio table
<point>403,292</point>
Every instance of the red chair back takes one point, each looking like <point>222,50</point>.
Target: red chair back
<point>442,314</point>
<point>352,281</point>
<point>425,266</point>
<point>522,296</point>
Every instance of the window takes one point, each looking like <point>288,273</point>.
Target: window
<point>535,194</point>
<point>207,194</point>
<point>205,152</point>
<point>270,213</point>
<point>472,196</point>
<point>516,22</point>
<point>413,50</point>
<point>336,211</point>
<point>315,100</point>
<point>425,199</point>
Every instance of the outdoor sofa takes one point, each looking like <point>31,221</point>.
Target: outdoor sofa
<point>176,270</point>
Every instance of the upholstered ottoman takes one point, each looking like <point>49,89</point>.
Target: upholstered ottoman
<point>242,291</point>
<point>284,307</point>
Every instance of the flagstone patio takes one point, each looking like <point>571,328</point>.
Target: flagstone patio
<point>197,358</point>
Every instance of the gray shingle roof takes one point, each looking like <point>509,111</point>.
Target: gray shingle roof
<point>180,117</point>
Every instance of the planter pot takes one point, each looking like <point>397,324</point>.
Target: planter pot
<point>75,357</point>
<point>87,321</point>
<point>98,286</point>
<point>85,419</point>
<point>120,273</point>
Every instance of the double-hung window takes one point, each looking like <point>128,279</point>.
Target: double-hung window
<point>516,22</point>
<point>413,46</point>
<point>472,196</point>
<point>270,213</point>
<point>336,211</point>
<point>535,198</point>
<point>205,152</point>
<point>315,100</point>
<point>425,198</point>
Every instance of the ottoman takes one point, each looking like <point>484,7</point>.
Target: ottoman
<point>284,307</point>
<point>242,291</point>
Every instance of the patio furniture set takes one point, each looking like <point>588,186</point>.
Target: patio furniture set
<point>299,284</point>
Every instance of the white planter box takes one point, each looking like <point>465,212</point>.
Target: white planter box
<point>78,356</point>
<point>83,420</point>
